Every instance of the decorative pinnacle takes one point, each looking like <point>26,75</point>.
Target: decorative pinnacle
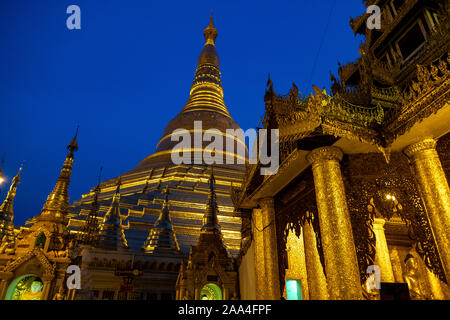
<point>73,145</point>
<point>17,177</point>
<point>7,206</point>
<point>97,187</point>
<point>210,223</point>
<point>164,216</point>
<point>166,193</point>
<point>116,196</point>
<point>119,183</point>
<point>212,180</point>
<point>57,204</point>
<point>100,176</point>
<point>210,33</point>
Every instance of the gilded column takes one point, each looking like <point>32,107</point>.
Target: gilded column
<point>46,288</point>
<point>226,295</point>
<point>435,286</point>
<point>317,282</point>
<point>260,272</point>
<point>197,294</point>
<point>272,279</point>
<point>335,227</point>
<point>435,192</point>
<point>382,257</point>
<point>5,277</point>
<point>3,286</point>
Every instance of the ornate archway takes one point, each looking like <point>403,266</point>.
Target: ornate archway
<point>211,292</point>
<point>25,287</point>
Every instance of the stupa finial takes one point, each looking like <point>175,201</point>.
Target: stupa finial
<point>210,33</point>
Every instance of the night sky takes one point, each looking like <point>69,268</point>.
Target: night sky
<point>128,71</point>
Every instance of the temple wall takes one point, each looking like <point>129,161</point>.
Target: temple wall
<point>247,279</point>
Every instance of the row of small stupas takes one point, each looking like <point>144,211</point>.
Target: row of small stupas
<point>49,240</point>
<point>106,233</point>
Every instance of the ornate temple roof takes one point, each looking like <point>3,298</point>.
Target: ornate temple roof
<point>373,103</point>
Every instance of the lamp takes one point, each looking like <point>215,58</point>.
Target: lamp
<point>1,176</point>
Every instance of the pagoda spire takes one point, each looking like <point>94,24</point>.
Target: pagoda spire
<point>90,230</point>
<point>210,33</point>
<point>206,92</point>
<point>161,236</point>
<point>7,213</point>
<point>210,221</point>
<point>111,235</point>
<point>57,204</point>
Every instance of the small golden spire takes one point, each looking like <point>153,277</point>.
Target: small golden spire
<point>90,230</point>
<point>111,234</point>
<point>210,222</point>
<point>6,209</point>
<point>210,33</point>
<point>7,235</point>
<point>57,204</point>
<point>73,145</point>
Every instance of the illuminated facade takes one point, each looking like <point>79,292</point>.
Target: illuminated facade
<point>363,180</point>
<point>131,234</point>
<point>210,273</point>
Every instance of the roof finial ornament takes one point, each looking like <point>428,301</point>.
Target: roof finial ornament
<point>212,179</point>
<point>210,33</point>
<point>269,82</point>
<point>166,193</point>
<point>100,176</point>
<point>57,204</point>
<point>20,168</point>
<point>210,222</point>
<point>119,183</point>
<point>73,145</point>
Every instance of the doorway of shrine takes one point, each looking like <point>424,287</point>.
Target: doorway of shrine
<point>211,291</point>
<point>26,287</point>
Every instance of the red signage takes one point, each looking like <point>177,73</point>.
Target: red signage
<point>126,288</point>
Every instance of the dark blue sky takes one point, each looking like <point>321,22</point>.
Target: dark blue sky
<point>128,71</point>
